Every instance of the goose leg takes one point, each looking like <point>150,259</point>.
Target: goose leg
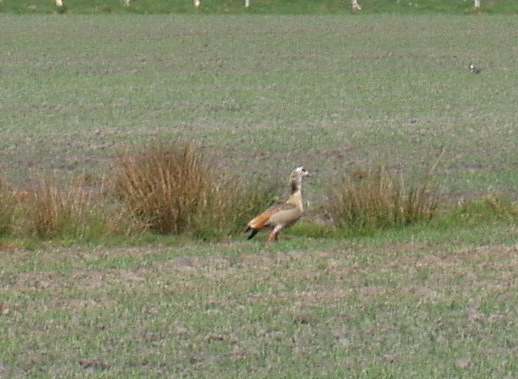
<point>274,235</point>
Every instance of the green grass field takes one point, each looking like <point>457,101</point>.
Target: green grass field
<point>261,94</point>
<point>258,6</point>
<point>403,305</point>
<point>265,94</point>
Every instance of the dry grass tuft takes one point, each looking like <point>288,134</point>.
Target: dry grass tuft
<point>55,211</point>
<point>172,189</point>
<point>164,186</point>
<point>368,200</point>
<point>7,205</point>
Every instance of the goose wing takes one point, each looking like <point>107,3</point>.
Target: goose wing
<point>278,214</point>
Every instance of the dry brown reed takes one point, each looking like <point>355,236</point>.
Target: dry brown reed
<point>55,210</point>
<point>6,208</point>
<point>172,189</point>
<point>368,200</point>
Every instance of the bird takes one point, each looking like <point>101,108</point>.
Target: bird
<point>279,217</point>
<point>473,69</point>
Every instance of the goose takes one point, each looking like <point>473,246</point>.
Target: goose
<point>279,217</point>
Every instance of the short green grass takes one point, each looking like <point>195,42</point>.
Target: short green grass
<point>263,94</point>
<point>258,6</point>
<point>405,304</point>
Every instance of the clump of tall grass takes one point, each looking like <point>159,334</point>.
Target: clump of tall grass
<point>6,209</point>
<point>164,186</point>
<point>373,199</point>
<point>54,210</point>
<point>172,189</point>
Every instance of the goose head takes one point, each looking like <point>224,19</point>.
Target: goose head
<point>296,178</point>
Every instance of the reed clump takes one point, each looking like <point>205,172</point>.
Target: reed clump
<point>373,199</point>
<point>56,210</point>
<point>172,189</point>
<point>7,205</point>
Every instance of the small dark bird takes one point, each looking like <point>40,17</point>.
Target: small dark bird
<point>474,69</point>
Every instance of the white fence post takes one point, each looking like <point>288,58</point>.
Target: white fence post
<point>477,3</point>
<point>197,3</point>
<point>355,5</point>
<point>59,3</point>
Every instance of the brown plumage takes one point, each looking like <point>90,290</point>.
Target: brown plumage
<point>284,215</point>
